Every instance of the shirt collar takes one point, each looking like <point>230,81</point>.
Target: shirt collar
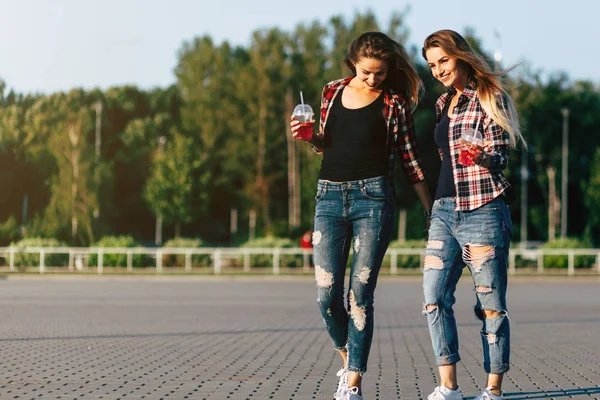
<point>468,91</point>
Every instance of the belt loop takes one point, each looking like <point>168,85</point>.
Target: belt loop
<point>362,184</point>
<point>324,187</point>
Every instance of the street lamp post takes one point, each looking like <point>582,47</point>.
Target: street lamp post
<point>98,143</point>
<point>498,51</point>
<point>158,228</point>
<point>524,194</point>
<point>98,106</point>
<point>565,173</point>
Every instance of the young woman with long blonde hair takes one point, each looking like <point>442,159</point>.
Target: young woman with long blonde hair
<point>470,219</point>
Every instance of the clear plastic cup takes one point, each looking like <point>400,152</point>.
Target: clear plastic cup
<point>471,144</point>
<point>304,114</point>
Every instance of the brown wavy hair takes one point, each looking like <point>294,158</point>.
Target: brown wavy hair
<point>402,76</point>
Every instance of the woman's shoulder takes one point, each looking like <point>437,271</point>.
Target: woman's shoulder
<point>337,83</point>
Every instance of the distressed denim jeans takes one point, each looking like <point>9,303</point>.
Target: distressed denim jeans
<point>357,215</point>
<point>479,239</point>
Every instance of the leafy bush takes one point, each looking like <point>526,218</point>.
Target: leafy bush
<point>563,261</point>
<point>9,230</point>
<point>24,260</point>
<point>118,260</point>
<point>178,260</point>
<point>263,260</point>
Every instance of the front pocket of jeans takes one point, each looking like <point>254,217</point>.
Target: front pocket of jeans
<point>490,208</point>
<point>376,193</point>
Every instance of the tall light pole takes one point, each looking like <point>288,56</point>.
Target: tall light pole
<point>565,173</point>
<point>524,193</point>
<point>98,107</point>
<point>158,228</point>
<point>498,51</point>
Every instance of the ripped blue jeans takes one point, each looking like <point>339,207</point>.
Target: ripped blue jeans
<point>479,239</point>
<point>357,214</point>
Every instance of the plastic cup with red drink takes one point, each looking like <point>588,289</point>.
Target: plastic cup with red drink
<point>471,146</point>
<point>304,114</point>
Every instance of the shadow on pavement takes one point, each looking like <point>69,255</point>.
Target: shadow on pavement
<point>548,394</point>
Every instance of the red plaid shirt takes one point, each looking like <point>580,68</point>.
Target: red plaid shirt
<point>475,185</point>
<point>400,138</point>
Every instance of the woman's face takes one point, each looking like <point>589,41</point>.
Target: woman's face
<point>371,72</point>
<point>446,69</point>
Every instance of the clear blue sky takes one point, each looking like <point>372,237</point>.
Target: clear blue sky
<point>52,45</point>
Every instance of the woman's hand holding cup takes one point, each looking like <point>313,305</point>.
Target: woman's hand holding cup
<point>303,122</point>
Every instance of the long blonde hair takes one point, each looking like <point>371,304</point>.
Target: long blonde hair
<point>402,75</point>
<point>493,98</point>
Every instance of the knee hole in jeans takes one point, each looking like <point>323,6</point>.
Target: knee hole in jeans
<point>433,262</point>
<point>476,254</point>
<point>363,275</point>
<point>435,244</point>
<point>358,314</point>
<point>488,314</point>
<point>324,279</point>
<point>483,289</point>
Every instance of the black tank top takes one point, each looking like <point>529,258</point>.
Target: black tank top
<point>445,186</point>
<point>355,142</point>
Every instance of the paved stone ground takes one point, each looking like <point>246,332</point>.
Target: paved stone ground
<point>262,338</point>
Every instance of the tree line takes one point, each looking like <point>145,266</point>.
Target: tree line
<point>84,164</point>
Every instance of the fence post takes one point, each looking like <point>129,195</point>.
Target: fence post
<point>129,261</point>
<point>42,261</point>
<point>188,262</point>
<point>571,263</point>
<point>12,259</point>
<point>71,261</point>
<point>276,261</point>
<point>100,261</point>
<point>158,261</point>
<point>512,268</point>
<point>246,261</point>
<point>217,261</point>
<point>394,263</point>
<point>540,262</point>
<point>598,261</point>
<point>305,262</point>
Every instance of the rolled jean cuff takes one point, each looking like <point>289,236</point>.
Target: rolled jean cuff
<point>496,369</point>
<point>360,371</point>
<point>342,348</point>
<point>447,360</point>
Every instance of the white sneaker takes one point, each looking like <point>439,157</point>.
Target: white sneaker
<point>353,394</point>
<point>486,394</point>
<point>342,388</point>
<point>443,393</point>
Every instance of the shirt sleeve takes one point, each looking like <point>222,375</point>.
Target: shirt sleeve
<point>498,144</point>
<point>317,141</point>
<point>406,145</point>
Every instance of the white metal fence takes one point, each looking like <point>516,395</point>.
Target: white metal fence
<point>219,260</point>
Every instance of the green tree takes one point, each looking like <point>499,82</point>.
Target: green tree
<point>65,121</point>
<point>213,112</point>
<point>173,190</point>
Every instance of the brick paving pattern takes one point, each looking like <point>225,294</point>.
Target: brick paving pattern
<point>262,338</point>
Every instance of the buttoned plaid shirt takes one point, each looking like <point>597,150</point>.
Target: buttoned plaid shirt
<point>400,138</point>
<point>475,185</point>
